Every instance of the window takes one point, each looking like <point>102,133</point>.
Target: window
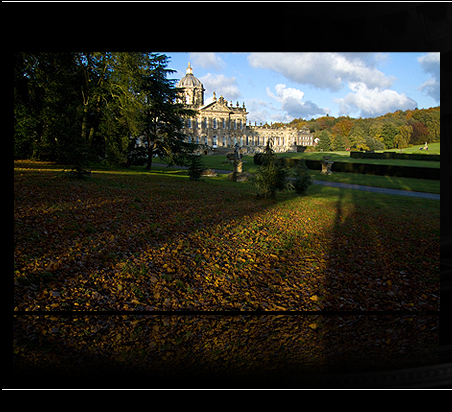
<point>224,125</point>
<point>214,141</point>
<point>214,123</point>
<point>205,140</point>
<point>197,139</point>
<point>224,139</point>
<point>235,124</point>
<point>240,124</point>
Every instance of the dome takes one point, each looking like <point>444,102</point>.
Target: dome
<point>189,80</point>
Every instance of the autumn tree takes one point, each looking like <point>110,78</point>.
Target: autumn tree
<point>420,133</point>
<point>388,133</point>
<point>402,138</point>
<point>376,131</point>
<point>357,138</point>
<point>337,143</point>
<point>373,144</point>
<point>430,118</point>
<point>342,128</point>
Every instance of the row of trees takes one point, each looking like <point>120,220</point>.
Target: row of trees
<point>390,131</point>
<point>77,107</point>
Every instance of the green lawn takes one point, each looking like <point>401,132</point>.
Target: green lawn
<point>345,157</point>
<point>433,148</point>
<point>389,182</point>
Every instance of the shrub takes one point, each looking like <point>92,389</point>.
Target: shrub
<point>258,159</point>
<point>195,167</point>
<point>272,174</point>
<point>302,178</point>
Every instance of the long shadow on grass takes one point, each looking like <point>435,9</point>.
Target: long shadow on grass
<point>71,240</point>
<point>383,255</point>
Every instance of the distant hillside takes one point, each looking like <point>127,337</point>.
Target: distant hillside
<point>391,131</point>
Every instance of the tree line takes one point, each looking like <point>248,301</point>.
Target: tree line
<point>390,131</point>
<point>79,107</point>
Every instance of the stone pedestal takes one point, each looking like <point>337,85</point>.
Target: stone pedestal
<point>326,166</point>
<point>238,175</point>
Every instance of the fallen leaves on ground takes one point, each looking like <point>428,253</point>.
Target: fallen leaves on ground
<point>139,241</point>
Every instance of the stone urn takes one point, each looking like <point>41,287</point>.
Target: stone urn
<point>326,165</point>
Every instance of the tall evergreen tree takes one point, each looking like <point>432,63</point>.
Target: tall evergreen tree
<point>162,116</point>
<point>325,141</point>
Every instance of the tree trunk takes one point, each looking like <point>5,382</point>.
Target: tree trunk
<point>149,164</point>
<point>150,153</point>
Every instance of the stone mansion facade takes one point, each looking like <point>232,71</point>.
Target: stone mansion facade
<point>221,124</point>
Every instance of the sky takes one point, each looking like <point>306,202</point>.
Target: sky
<point>279,87</point>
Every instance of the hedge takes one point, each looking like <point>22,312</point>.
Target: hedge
<point>367,169</point>
<point>394,155</point>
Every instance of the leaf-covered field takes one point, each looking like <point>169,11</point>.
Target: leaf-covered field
<point>128,240</point>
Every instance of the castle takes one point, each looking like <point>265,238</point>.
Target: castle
<point>220,124</point>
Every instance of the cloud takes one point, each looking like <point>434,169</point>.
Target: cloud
<point>292,102</point>
<point>221,85</point>
<point>371,102</point>
<point>325,70</point>
<point>430,63</point>
<point>261,111</point>
<point>207,61</point>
